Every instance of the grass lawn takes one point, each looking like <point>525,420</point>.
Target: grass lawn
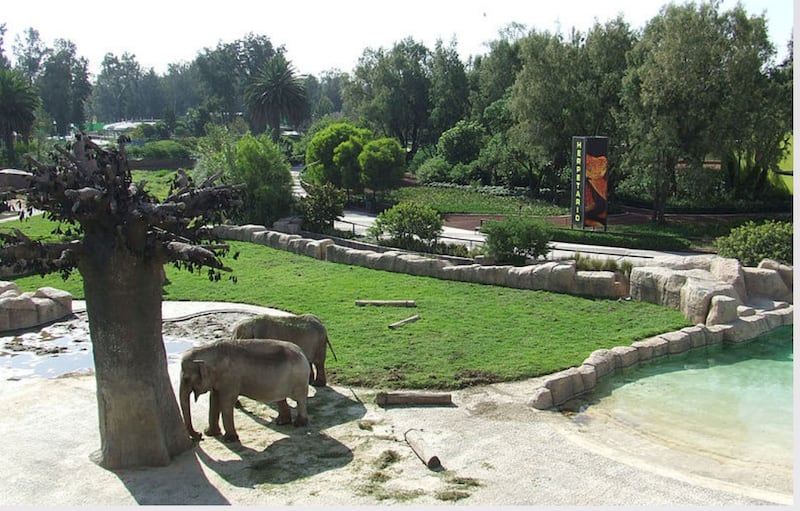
<point>454,200</point>
<point>468,333</point>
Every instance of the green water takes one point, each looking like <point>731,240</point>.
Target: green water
<point>728,400</point>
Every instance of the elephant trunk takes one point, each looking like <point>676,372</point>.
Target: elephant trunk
<point>184,392</point>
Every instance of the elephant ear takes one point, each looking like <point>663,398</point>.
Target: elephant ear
<point>205,381</point>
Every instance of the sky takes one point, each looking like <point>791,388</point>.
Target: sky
<point>321,35</point>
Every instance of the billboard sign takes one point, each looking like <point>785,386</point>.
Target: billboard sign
<point>589,181</point>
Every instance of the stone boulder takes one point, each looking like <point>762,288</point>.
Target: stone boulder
<point>25,310</point>
<point>289,225</point>
<point>729,270</point>
<point>766,283</point>
<point>786,272</point>
<point>724,309</point>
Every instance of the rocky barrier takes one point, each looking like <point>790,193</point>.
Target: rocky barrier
<point>19,311</point>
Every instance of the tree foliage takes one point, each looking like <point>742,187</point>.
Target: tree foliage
<point>64,86</point>
<point>462,143</point>
<point>390,90</point>
<point>275,93</point>
<point>18,104</point>
<point>321,164</point>
<point>699,84</point>
<point>383,163</point>
<point>262,169</point>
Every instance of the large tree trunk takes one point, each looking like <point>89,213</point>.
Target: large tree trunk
<point>140,424</point>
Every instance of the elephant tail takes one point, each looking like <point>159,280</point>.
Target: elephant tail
<point>328,342</point>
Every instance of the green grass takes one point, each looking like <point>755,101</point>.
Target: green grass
<point>468,334</point>
<point>454,200</point>
<point>158,181</point>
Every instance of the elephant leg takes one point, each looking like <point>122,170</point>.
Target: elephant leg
<point>226,403</point>
<point>321,380</point>
<point>310,373</point>
<point>284,413</point>
<point>213,414</point>
<point>301,397</point>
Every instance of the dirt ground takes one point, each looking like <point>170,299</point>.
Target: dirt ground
<point>494,448</point>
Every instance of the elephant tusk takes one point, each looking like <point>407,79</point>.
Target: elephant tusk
<point>196,395</point>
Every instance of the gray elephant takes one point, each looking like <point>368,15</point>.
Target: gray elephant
<point>307,331</point>
<point>262,369</point>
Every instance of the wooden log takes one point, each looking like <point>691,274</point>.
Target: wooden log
<point>404,321</point>
<point>414,440</point>
<point>413,399</point>
<point>387,303</point>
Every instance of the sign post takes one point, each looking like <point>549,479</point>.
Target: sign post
<point>589,181</point>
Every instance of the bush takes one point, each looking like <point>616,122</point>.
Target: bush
<point>751,243</point>
<point>321,207</point>
<point>514,239</point>
<point>262,168</point>
<point>408,225</point>
<point>462,143</point>
<point>160,149</point>
<point>433,170</point>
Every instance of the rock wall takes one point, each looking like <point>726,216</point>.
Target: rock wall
<point>24,310</point>
<point>559,277</point>
<point>560,387</point>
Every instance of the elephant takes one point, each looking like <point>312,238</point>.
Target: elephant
<point>262,369</point>
<point>306,330</point>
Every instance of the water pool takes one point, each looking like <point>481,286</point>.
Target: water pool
<point>728,402</point>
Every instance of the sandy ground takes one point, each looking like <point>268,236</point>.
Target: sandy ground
<point>495,450</point>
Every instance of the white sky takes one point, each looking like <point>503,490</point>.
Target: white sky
<point>320,34</point>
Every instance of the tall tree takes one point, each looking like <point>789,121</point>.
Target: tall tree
<point>227,69</point>
<point>4,62</point>
<point>382,165</point>
<point>116,88</point>
<point>30,54</point>
<point>493,74</point>
<point>124,237</point>
<point>390,90</point>
<point>755,117</point>
<point>680,92</point>
<point>18,104</point>
<point>449,90</point>
<point>64,86</point>
<point>274,94</point>
<point>568,87</point>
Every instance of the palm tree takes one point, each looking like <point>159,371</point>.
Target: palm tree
<point>274,93</point>
<point>18,104</point>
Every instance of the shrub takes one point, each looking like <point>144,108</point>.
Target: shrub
<point>159,149</point>
<point>462,143</point>
<point>514,239</point>
<point>751,242</point>
<point>408,225</point>
<point>262,168</point>
<point>321,207</point>
<point>434,170</point>
<point>586,263</point>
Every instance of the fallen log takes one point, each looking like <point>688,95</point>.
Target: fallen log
<point>413,398</point>
<point>387,303</point>
<point>413,438</point>
<point>404,321</point>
